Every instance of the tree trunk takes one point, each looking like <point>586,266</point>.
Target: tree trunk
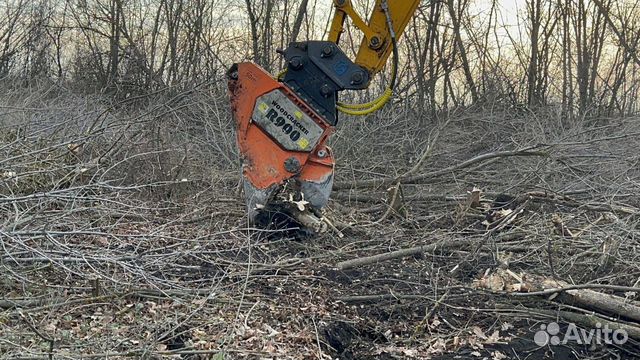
<point>455,19</point>
<point>298,22</point>
<point>535,8</point>
<point>253,24</point>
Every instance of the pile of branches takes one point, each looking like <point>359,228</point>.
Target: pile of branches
<point>542,226</point>
<point>96,202</point>
<point>123,234</point>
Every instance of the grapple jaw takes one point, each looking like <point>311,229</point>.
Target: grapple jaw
<point>286,166</point>
<point>288,206</point>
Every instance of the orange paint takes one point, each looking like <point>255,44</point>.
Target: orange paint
<point>263,157</point>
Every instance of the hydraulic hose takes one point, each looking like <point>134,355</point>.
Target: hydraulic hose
<point>377,104</point>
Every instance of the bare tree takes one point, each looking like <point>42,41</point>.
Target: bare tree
<point>456,12</point>
<point>297,24</point>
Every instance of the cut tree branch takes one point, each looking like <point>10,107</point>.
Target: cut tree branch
<point>374,259</point>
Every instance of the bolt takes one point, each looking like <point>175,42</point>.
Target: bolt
<point>292,165</point>
<point>327,51</point>
<point>375,42</point>
<point>326,90</point>
<point>357,78</point>
<point>322,153</point>
<point>295,63</point>
<point>233,75</point>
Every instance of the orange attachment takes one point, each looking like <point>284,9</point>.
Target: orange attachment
<point>264,155</point>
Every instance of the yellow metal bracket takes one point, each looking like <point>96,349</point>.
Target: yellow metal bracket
<point>376,45</point>
<point>344,9</point>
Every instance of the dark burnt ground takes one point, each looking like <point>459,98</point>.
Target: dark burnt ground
<point>388,310</point>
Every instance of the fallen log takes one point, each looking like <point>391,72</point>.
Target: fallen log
<point>22,303</point>
<point>416,250</point>
<point>607,303</point>
<point>592,321</point>
<point>586,321</point>
<point>506,281</point>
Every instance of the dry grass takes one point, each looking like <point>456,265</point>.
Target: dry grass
<point>122,234</point>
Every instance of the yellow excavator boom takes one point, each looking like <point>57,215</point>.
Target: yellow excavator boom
<point>376,44</point>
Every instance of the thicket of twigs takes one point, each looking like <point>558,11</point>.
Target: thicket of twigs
<point>497,193</point>
<point>579,56</point>
<point>123,235</point>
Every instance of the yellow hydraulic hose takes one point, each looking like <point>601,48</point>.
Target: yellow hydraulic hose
<point>367,108</point>
<point>370,107</point>
<point>358,109</point>
<point>365,105</point>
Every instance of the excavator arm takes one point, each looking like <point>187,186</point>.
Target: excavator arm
<point>377,43</point>
<point>284,123</point>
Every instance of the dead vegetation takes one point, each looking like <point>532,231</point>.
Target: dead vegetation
<point>123,236</point>
<point>497,194</point>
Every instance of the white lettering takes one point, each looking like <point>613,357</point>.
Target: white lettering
<point>572,334</point>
